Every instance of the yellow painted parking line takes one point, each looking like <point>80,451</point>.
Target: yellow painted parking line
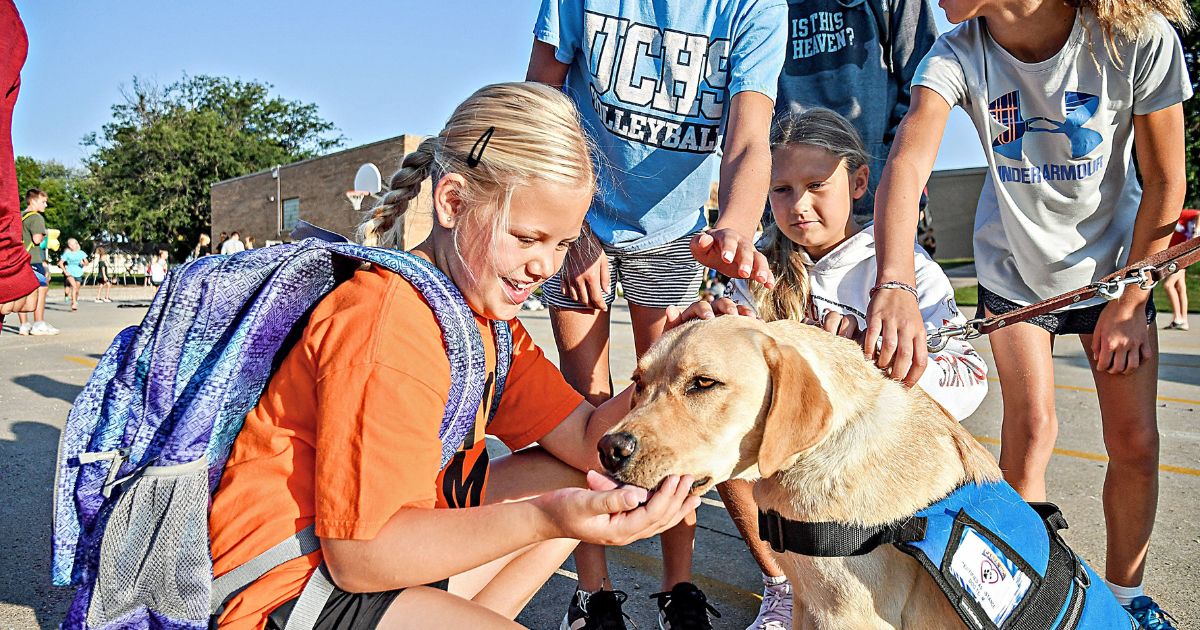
<point>1097,457</point>
<point>567,574</point>
<point>1092,390</point>
<point>84,361</point>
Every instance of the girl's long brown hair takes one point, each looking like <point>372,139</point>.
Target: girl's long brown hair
<point>818,127</point>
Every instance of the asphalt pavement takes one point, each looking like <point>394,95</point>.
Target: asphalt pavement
<point>40,377</point>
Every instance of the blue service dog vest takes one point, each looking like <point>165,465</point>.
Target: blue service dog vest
<point>1000,561</point>
<point>1003,564</point>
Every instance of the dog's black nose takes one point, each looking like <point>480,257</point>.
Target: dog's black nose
<point>616,449</point>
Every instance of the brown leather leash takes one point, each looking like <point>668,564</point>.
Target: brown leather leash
<point>1145,273</point>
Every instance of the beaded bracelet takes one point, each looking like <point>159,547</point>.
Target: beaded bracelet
<point>893,284</point>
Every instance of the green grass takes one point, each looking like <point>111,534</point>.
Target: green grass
<point>951,263</point>
<point>967,296</point>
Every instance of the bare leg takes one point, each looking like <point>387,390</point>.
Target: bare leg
<point>1131,481</point>
<point>582,338</point>
<point>491,595</point>
<point>39,308</point>
<point>1026,369</point>
<point>678,542</point>
<point>1177,294</point>
<point>738,496</point>
<point>423,607</point>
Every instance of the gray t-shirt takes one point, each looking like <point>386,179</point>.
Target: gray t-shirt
<point>1057,210</point>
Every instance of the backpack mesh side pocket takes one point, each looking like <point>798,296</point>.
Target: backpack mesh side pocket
<point>155,554</point>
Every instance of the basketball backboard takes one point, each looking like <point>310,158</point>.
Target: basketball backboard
<point>367,179</point>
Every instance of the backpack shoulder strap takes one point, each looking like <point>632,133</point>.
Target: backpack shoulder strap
<point>464,344</point>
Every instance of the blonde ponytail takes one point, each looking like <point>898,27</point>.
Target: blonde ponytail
<point>534,134</point>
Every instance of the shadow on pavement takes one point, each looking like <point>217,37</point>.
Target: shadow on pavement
<point>27,483</point>
<point>1172,366</point>
<point>49,387</point>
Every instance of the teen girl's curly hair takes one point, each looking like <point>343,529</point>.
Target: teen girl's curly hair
<point>1131,19</point>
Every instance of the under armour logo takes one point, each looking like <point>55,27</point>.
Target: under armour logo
<point>1078,109</point>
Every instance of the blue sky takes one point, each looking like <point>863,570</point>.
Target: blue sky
<point>376,69</point>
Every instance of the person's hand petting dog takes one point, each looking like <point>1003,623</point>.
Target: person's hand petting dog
<point>842,326</point>
<point>705,310</point>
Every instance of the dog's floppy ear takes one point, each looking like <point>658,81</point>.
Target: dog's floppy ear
<point>799,412</point>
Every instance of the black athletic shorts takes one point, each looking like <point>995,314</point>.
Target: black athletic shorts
<point>345,611</point>
<point>1081,321</point>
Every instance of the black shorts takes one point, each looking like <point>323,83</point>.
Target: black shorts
<point>1081,321</point>
<point>345,611</point>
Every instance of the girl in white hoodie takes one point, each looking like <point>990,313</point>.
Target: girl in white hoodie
<point>824,265</point>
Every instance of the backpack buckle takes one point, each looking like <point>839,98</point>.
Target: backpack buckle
<point>118,457</point>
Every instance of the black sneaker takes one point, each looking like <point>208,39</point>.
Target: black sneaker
<point>684,608</point>
<point>595,611</point>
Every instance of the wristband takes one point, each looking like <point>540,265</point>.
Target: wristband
<point>893,284</point>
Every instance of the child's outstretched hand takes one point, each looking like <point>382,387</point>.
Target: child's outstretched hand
<point>732,254</point>
<point>606,514</point>
<point>1121,340</point>
<point>894,325</point>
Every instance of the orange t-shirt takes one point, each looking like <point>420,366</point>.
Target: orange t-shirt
<point>357,405</point>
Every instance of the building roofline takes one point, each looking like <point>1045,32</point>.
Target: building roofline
<point>307,160</point>
<point>970,170</point>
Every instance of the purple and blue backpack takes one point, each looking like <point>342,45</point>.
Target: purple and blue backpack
<point>148,437</point>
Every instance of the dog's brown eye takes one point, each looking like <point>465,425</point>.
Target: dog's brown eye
<point>701,383</point>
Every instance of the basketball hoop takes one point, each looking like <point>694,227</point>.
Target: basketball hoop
<point>356,197</point>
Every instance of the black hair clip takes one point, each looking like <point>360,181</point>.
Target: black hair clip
<point>476,153</point>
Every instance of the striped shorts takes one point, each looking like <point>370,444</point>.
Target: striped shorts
<point>658,277</point>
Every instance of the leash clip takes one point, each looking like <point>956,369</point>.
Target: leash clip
<point>1145,277</point>
<point>967,331</point>
<point>1113,289</point>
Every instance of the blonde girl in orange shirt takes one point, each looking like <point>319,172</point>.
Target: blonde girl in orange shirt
<point>346,435</point>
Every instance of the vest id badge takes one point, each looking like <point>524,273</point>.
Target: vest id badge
<point>994,582</point>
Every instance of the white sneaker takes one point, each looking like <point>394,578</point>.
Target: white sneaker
<point>24,329</point>
<point>776,610</point>
<point>42,329</point>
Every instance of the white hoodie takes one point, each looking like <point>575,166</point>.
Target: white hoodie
<point>841,282</point>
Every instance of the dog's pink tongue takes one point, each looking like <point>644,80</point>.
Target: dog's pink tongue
<point>601,482</point>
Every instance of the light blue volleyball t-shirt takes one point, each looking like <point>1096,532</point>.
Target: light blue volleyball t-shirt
<point>653,81</point>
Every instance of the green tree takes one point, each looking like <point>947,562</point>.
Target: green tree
<point>1191,110</point>
<point>152,165</point>
<point>68,204</point>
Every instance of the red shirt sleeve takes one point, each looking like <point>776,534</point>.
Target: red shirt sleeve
<point>16,277</point>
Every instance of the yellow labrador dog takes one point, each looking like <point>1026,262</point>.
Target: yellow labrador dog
<point>831,438</point>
